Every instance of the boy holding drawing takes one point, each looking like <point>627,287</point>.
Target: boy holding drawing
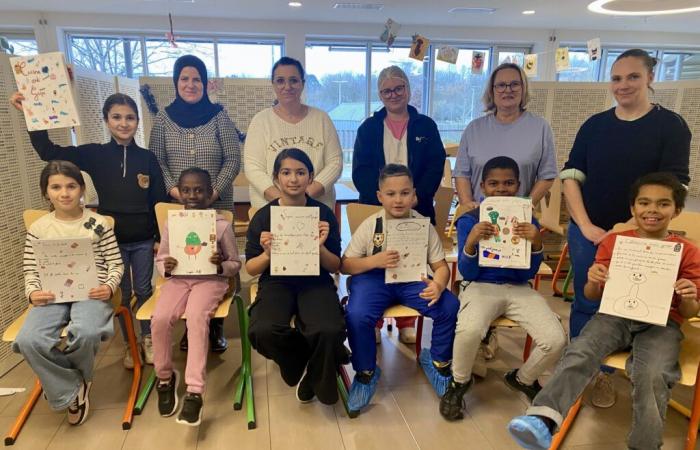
<point>371,261</point>
<point>197,296</point>
<point>500,291</point>
<point>653,366</point>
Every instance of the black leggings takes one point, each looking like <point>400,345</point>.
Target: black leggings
<point>316,338</point>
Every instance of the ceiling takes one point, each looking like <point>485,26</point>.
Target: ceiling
<point>550,14</point>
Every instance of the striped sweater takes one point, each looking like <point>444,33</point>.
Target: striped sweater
<point>108,259</point>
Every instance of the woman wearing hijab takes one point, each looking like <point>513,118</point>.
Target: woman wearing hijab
<point>194,132</point>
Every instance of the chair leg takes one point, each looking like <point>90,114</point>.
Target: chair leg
<point>692,435</point>
<point>558,438</point>
<point>557,271</point>
<point>419,337</point>
<point>136,379</point>
<point>145,392</point>
<point>343,382</point>
<point>23,415</point>
<point>568,296</point>
<point>244,385</point>
<point>528,348</point>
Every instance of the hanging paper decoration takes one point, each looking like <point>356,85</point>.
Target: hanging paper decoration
<point>448,54</point>
<point>562,59</point>
<point>391,30</point>
<point>478,62</point>
<point>530,66</point>
<point>594,49</point>
<point>171,34</point>
<point>419,47</point>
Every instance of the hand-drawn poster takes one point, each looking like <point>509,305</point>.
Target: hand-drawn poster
<point>530,66</point>
<point>448,54</point>
<point>562,59</point>
<point>419,47</point>
<point>593,49</point>
<point>192,240</point>
<point>504,249</point>
<point>66,267</point>
<point>410,238</point>
<point>44,82</point>
<point>640,281</point>
<point>295,249</point>
<point>478,62</point>
<point>391,30</point>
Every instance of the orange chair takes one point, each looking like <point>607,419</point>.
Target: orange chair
<point>30,216</point>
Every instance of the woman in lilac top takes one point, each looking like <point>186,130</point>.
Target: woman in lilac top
<point>506,130</point>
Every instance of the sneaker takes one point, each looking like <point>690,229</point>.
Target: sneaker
<point>79,407</point>
<point>407,335</point>
<point>167,395</point>
<point>147,349</point>
<point>362,389</point>
<point>531,390</point>
<point>603,395</point>
<point>490,345</point>
<point>439,378</point>
<point>191,413</point>
<point>218,341</point>
<point>530,432</point>
<point>479,368</point>
<point>305,392</point>
<point>452,403</point>
<point>377,335</point>
<point>128,360</point>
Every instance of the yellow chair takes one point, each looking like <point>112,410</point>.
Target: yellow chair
<point>30,216</point>
<point>245,380</point>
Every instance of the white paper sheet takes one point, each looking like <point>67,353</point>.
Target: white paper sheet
<point>504,249</point>
<point>640,281</point>
<point>43,80</point>
<point>66,267</point>
<point>593,49</point>
<point>562,59</point>
<point>192,240</point>
<point>295,248</point>
<point>410,238</point>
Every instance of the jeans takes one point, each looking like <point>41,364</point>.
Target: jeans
<point>138,266</point>
<point>62,372</point>
<point>653,369</point>
<point>582,254</point>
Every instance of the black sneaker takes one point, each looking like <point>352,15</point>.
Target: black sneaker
<point>167,395</point>
<point>218,341</point>
<point>452,403</point>
<point>78,409</point>
<point>305,392</point>
<point>191,413</point>
<point>511,379</point>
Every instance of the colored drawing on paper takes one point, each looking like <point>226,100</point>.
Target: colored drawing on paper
<point>66,267</point>
<point>187,229</point>
<point>295,249</point>
<point>410,238</point>
<point>504,249</point>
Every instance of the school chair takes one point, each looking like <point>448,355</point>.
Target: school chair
<point>30,216</point>
<point>451,150</point>
<point>550,220</point>
<point>244,384</point>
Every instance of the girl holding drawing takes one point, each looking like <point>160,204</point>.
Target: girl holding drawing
<point>129,183</point>
<point>612,149</point>
<point>310,352</point>
<point>66,375</point>
<point>197,296</point>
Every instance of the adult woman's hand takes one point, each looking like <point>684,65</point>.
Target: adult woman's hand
<point>593,233</point>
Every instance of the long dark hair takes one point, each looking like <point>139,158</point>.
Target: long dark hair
<point>291,153</point>
<point>119,99</point>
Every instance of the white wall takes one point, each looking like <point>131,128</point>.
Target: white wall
<point>50,35</point>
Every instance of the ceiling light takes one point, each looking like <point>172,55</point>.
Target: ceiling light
<point>365,6</point>
<point>468,10</point>
<point>295,4</point>
<point>529,12</point>
<point>632,8</point>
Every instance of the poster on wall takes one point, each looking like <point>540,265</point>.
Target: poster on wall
<point>593,49</point>
<point>530,66</point>
<point>478,62</point>
<point>419,47</point>
<point>504,248</point>
<point>391,30</point>
<point>66,267</point>
<point>562,59</point>
<point>43,80</point>
<point>448,54</point>
<point>192,240</point>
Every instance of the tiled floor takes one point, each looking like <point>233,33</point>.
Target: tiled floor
<point>403,415</point>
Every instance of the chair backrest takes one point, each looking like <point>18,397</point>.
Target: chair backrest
<point>451,149</point>
<point>550,206</point>
<point>251,212</point>
<point>689,357</point>
<point>443,204</point>
<point>32,215</point>
<point>163,208</point>
<point>358,212</point>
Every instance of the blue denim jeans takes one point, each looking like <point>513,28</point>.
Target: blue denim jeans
<point>138,266</point>
<point>653,369</point>
<point>62,372</point>
<point>582,254</point>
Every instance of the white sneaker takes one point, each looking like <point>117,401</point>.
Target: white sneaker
<point>377,335</point>
<point>147,349</point>
<point>407,335</point>
<point>128,359</point>
<point>78,409</point>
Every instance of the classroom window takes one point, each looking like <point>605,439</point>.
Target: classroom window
<point>511,56</point>
<point>114,55</point>
<point>247,60</point>
<point>23,46</point>
<point>581,68</point>
<point>161,55</point>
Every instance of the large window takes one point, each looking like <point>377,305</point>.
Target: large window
<point>23,46</point>
<point>581,68</point>
<point>125,55</point>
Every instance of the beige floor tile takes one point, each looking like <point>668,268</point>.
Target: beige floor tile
<point>21,376</point>
<point>37,433</point>
<point>381,425</point>
<point>222,426</point>
<point>304,426</point>
<point>111,384</point>
<point>275,383</point>
<point>419,407</point>
<point>102,430</point>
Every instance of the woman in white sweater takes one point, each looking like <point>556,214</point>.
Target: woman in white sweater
<point>291,123</point>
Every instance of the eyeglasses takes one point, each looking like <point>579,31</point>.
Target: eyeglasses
<point>397,91</point>
<point>514,86</point>
<point>293,82</point>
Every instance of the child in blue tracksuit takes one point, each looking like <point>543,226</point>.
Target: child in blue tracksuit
<point>365,259</point>
<point>494,292</point>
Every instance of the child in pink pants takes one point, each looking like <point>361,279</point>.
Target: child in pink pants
<point>197,296</point>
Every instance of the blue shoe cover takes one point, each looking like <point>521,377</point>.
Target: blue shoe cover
<point>360,393</point>
<point>437,380</point>
<point>530,432</point>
